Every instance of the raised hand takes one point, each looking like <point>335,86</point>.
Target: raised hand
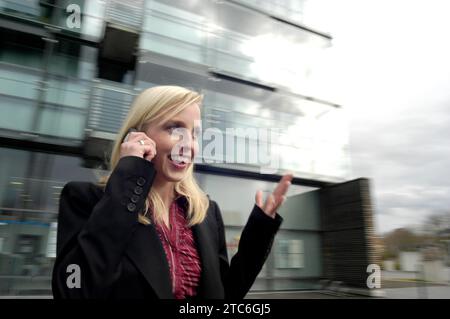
<point>138,144</point>
<point>276,199</point>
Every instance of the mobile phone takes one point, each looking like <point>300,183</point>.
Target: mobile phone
<point>128,133</point>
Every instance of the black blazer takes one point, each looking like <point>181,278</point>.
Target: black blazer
<point>118,257</point>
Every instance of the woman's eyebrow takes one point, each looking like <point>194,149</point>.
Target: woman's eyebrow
<point>176,122</point>
<point>181,123</point>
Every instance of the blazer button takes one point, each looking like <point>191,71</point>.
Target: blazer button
<point>134,198</point>
<point>138,190</point>
<point>141,181</point>
<point>131,207</point>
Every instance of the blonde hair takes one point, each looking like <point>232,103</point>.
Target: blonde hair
<point>158,104</point>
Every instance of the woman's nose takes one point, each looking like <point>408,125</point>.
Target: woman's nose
<point>187,143</point>
<point>187,151</point>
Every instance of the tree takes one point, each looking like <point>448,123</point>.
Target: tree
<point>437,223</point>
<point>400,239</point>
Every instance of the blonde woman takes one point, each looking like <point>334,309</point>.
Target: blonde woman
<point>148,230</point>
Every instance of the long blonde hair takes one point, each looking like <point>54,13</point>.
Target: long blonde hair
<point>152,105</point>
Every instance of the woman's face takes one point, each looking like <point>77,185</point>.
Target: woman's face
<point>176,143</point>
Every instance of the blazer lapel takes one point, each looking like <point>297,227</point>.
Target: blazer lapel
<point>210,286</point>
<point>148,254</point>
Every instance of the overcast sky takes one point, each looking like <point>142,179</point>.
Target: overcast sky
<point>390,68</point>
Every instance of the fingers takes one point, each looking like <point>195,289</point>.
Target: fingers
<point>277,198</point>
<point>137,136</point>
<point>271,205</point>
<point>138,144</point>
<point>283,185</point>
<point>268,207</point>
<point>149,152</point>
<point>278,202</point>
<point>125,139</point>
<point>259,199</point>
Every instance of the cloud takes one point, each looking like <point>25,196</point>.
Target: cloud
<point>389,68</point>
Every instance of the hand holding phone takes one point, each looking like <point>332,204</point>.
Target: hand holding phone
<point>138,144</point>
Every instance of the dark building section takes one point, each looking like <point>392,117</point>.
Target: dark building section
<point>119,46</point>
<point>348,233</point>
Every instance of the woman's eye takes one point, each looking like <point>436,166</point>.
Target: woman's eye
<point>172,127</point>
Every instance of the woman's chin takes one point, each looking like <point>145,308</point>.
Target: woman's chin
<point>176,175</point>
<point>175,178</point>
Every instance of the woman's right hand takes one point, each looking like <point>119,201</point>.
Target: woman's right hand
<point>138,144</point>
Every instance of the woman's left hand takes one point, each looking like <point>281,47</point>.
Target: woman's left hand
<point>276,199</point>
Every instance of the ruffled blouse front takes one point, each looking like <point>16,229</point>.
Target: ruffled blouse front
<point>181,252</point>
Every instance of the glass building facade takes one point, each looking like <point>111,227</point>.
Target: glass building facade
<point>66,88</point>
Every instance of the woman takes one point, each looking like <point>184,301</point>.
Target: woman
<point>149,231</point>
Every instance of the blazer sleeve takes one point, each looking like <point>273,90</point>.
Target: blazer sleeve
<point>254,246</point>
<point>93,235</point>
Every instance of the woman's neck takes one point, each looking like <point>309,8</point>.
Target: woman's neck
<point>166,190</point>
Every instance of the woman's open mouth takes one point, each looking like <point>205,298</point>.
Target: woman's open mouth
<point>179,161</point>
